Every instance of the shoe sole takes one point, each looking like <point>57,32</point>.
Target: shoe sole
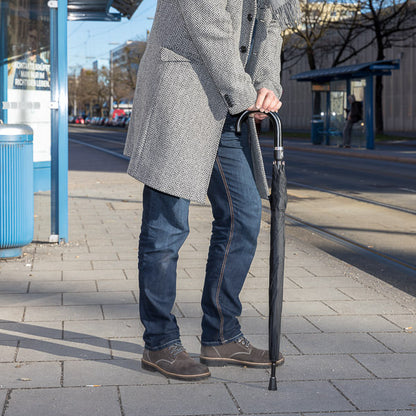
<point>147,365</point>
<point>221,362</point>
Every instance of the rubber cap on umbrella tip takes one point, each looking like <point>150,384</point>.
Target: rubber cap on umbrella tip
<point>272,381</point>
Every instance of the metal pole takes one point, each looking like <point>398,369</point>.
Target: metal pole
<point>369,111</point>
<point>59,134</point>
<point>328,118</point>
<point>110,115</point>
<point>4,10</point>
<point>75,96</point>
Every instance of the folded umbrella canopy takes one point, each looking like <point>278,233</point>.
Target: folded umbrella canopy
<point>278,201</point>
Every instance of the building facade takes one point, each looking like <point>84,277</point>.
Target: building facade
<point>399,90</point>
<point>124,64</point>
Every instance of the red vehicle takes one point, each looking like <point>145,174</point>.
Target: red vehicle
<point>118,112</point>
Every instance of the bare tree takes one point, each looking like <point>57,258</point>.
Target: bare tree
<point>121,87</point>
<point>124,73</point>
<point>323,36</point>
<point>103,89</point>
<point>86,90</point>
<point>317,34</point>
<point>331,34</point>
<point>104,76</point>
<point>89,91</point>
<point>72,93</point>
<point>392,23</point>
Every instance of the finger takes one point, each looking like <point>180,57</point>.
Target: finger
<point>268,101</point>
<point>260,116</point>
<point>261,94</point>
<point>275,106</point>
<point>254,111</point>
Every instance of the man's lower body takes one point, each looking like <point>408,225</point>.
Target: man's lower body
<point>346,134</point>
<point>236,208</point>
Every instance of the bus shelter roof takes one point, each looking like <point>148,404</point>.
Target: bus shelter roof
<point>99,10</point>
<point>350,71</point>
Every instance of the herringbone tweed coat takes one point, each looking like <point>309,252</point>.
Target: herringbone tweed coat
<point>195,70</point>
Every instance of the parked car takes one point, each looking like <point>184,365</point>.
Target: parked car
<point>79,120</point>
<point>120,121</point>
<point>114,121</point>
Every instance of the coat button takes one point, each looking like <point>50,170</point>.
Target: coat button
<point>228,100</point>
<point>243,49</point>
<point>250,17</point>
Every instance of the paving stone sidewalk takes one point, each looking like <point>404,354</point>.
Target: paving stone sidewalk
<point>70,338</point>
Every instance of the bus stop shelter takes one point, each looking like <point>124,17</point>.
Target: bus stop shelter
<point>330,89</point>
<point>34,79</point>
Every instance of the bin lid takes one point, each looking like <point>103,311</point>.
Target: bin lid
<point>15,133</point>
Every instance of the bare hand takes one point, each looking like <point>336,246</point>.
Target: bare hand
<point>258,116</point>
<point>266,101</point>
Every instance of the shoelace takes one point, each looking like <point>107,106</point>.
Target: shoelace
<point>176,349</point>
<point>243,341</point>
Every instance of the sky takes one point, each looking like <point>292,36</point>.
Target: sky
<point>90,41</point>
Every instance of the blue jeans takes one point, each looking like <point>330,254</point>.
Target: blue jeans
<point>236,208</point>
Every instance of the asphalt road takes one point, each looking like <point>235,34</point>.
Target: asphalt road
<point>368,202</point>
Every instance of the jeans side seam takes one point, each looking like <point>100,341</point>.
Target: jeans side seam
<point>227,249</point>
<point>164,345</point>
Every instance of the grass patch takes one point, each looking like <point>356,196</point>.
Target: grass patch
<point>297,135</point>
<point>388,137</point>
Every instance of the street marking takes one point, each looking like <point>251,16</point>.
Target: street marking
<point>100,148</point>
<point>408,189</point>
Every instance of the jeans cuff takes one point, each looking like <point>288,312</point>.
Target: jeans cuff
<point>226,341</point>
<point>165,345</point>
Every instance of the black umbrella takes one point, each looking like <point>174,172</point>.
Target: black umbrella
<point>278,201</point>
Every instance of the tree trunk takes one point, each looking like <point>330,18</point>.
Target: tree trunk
<point>379,81</point>
<point>311,58</point>
<point>379,105</point>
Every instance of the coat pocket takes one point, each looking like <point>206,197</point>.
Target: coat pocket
<point>168,55</point>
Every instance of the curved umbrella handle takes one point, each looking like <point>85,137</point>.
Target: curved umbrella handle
<point>277,128</point>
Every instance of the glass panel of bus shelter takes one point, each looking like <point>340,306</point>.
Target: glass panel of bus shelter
<point>319,103</point>
<point>319,92</point>
<point>25,94</point>
<point>358,134</point>
<point>337,105</point>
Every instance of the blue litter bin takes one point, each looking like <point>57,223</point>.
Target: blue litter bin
<point>16,188</point>
<point>317,127</point>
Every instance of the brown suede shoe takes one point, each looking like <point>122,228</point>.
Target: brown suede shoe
<point>239,352</point>
<point>174,362</point>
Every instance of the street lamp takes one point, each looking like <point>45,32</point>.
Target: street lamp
<point>111,78</point>
<point>75,75</point>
